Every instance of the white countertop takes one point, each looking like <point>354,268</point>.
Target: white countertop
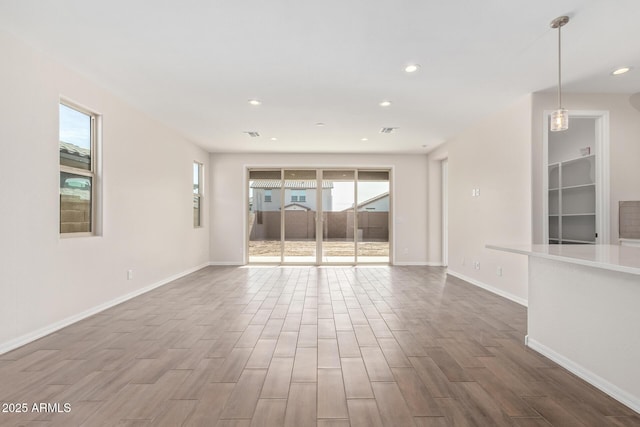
<point>625,259</point>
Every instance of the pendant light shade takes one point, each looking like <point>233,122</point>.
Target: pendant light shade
<point>559,120</point>
<point>560,117</point>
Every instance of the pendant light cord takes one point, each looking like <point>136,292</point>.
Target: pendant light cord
<point>559,67</point>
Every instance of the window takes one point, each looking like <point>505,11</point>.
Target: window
<point>267,196</point>
<point>197,194</point>
<point>77,146</point>
<point>298,195</point>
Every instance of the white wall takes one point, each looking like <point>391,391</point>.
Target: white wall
<point>624,150</point>
<point>147,201</point>
<point>495,157</point>
<point>228,197</point>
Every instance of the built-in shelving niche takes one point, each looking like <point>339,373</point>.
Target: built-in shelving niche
<point>572,184</point>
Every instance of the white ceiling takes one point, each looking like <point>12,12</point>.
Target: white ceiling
<point>194,64</point>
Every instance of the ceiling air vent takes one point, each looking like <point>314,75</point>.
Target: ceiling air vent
<point>252,134</point>
<point>388,130</point>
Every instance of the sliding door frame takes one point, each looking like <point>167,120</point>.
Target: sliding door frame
<point>319,226</point>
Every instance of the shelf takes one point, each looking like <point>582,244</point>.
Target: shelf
<point>575,159</point>
<point>579,200</point>
<point>571,194</point>
<point>554,176</point>
<point>579,241</point>
<point>575,186</point>
<point>554,227</point>
<point>578,228</point>
<point>578,172</point>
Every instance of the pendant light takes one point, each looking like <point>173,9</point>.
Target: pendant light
<point>560,117</point>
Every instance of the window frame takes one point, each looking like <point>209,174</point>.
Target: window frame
<point>199,195</point>
<point>94,133</point>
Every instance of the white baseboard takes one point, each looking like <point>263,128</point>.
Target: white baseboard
<point>49,329</point>
<point>612,390</point>
<point>489,288</point>
<point>410,263</point>
<point>225,263</point>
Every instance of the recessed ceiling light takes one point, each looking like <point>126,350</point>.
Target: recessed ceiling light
<point>274,139</point>
<point>620,70</point>
<point>320,124</point>
<point>412,68</point>
<point>385,103</point>
<point>255,102</point>
<point>364,139</point>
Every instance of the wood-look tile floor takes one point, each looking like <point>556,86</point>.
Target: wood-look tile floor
<point>302,346</point>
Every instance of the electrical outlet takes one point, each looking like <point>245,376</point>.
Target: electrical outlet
<point>464,261</point>
<point>406,251</point>
<point>476,265</point>
<point>499,271</point>
<point>129,274</point>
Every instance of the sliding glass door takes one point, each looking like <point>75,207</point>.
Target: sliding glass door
<point>265,224</point>
<point>318,216</point>
<point>338,222</point>
<point>373,216</point>
<point>299,215</point>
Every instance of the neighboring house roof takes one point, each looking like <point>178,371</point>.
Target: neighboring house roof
<point>67,147</point>
<point>290,205</point>
<point>289,184</point>
<point>368,202</point>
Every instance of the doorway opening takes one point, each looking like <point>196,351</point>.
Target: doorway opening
<point>575,180</point>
